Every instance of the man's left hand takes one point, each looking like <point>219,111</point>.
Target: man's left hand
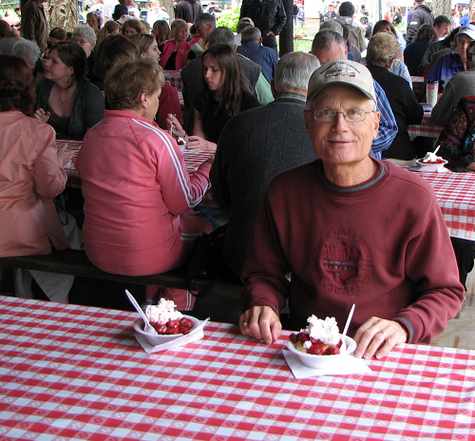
<point>377,337</point>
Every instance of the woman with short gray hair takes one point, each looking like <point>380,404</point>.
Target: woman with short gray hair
<point>383,50</point>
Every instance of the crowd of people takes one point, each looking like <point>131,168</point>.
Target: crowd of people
<point>314,218</point>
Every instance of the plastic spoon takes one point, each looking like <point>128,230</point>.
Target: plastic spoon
<point>436,149</point>
<point>348,321</point>
<point>148,327</point>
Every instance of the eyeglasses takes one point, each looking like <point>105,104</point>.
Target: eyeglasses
<point>350,115</point>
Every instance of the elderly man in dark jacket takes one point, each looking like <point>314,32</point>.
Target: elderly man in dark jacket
<point>256,146</point>
<point>268,15</point>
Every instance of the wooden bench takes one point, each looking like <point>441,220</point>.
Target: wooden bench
<point>76,263</point>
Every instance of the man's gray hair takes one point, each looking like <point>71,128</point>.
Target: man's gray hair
<point>294,70</point>
<point>251,33</point>
<point>85,31</point>
<point>21,47</point>
<point>221,35</point>
<point>324,39</point>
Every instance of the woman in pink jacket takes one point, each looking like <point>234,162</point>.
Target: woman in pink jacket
<point>175,51</point>
<point>134,181</point>
<point>30,172</point>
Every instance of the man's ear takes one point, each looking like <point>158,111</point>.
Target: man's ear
<point>377,119</point>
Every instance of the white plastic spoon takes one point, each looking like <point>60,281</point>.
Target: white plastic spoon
<point>348,321</point>
<point>436,149</point>
<point>148,327</point>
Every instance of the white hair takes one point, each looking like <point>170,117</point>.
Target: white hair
<point>294,71</point>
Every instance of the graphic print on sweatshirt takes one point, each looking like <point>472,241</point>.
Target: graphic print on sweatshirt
<point>343,263</point>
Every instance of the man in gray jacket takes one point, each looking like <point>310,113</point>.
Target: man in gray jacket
<point>420,15</point>
<point>256,146</point>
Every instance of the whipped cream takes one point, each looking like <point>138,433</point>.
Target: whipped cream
<point>163,312</point>
<point>324,330</point>
<point>431,157</point>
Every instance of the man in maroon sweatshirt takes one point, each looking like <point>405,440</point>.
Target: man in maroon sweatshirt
<point>350,229</point>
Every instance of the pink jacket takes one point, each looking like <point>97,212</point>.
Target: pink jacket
<point>135,187</point>
<point>30,177</point>
<point>169,47</point>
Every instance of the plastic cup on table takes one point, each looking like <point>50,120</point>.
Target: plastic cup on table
<point>432,92</point>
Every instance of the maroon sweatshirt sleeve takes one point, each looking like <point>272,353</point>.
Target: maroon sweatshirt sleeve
<point>431,261</point>
<point>169,103</point>
<point>265,267</point>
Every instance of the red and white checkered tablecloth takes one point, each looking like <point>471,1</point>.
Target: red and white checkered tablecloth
<point>193,158</point>
<point>424,129</point>
<point>455,193</point>
<point>71,372</point>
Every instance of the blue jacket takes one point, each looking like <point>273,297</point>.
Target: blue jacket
<point>262,55</point>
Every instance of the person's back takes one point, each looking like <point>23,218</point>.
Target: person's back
<point>462,84</point>
<point>405,108</point>
<point>29,172</point>
<point>419,16</point>
<point>252,48</point>
<point>413,55</point>
<point>128,213</point>
<point>355,36</point>
<point>268,15</point>
<point>188,10</point>
<point>256,146</point>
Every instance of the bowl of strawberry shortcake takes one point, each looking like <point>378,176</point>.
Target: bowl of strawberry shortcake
<point>320,344</point>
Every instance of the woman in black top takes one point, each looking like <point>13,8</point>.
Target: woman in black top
<point>66,100</point>
<point>226,93</point>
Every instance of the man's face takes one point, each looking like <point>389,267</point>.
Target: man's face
<point>442,30</point>
<point>335,52</point>
<point>204,29</point>
<point>341,142</point>
<point>85,44</point>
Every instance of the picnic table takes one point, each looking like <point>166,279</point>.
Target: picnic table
<point>75,372</point>
<point>455,193</point>
<point>193,158</point>
<point>425,129</point>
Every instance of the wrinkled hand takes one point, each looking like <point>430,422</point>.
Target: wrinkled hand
<point>42,115</point>
<point>199,143</point>
<point>377,337</point>
<point>174,122</point>
<point>270,34</point>
<point>262,323</point>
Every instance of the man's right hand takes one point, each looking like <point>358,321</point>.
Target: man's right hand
<point>262,323</point>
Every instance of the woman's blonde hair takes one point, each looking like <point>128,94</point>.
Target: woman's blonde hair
<point>177,25</point>
<point>383,49</point>
<point>125,82</point>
